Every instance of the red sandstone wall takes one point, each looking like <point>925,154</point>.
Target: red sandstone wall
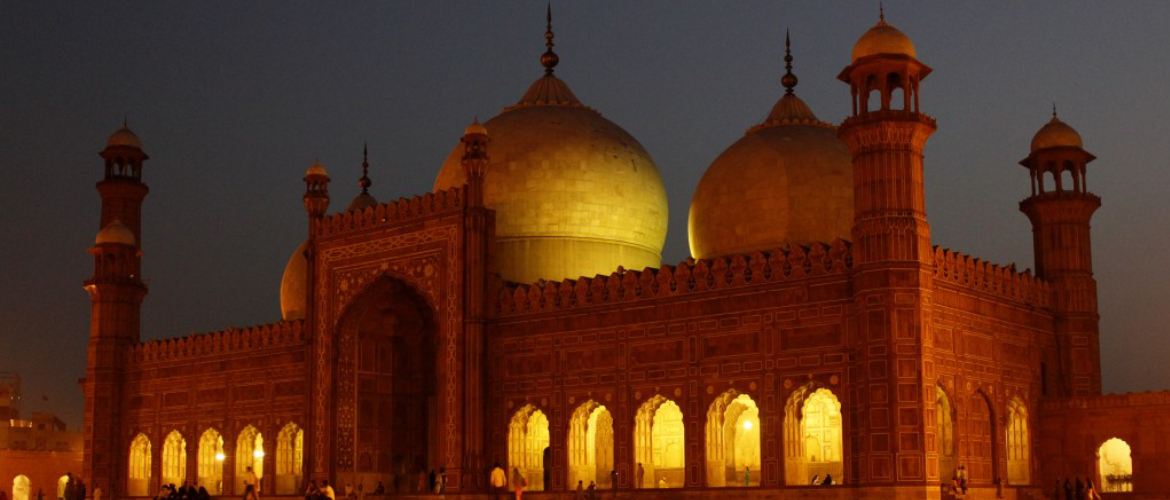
<point>43,469</point>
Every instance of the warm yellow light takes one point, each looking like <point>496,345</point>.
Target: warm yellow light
<point>747,425</point>
<point>219,457</point>
<point>258,453</point>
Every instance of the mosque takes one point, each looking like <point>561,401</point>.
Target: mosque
<point>520,314</point>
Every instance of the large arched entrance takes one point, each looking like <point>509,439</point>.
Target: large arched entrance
<point>211,458</point>
<point>1115,466</point>
<point>590,445</point>
<point>290,452</point>
<point>138,473</point>
<point>21,488</point>
<point>659,444</point>
<point>174,459</point>
<point>528,445</point>
<point>387,346</point>
<point>249,456</point>
<point>812,436</point>
<point>733,441</point>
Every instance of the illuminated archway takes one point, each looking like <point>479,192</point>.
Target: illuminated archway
<point>211,459</point>
<point>528,440</point>
<point>249,453</point>
<point>590,445</point>
<point>138,475</point>
<point>1115,466</point>
<point>945,435</point>
<point>1018,449</point>
<point>733,441</point>
<point>980,458</point>
<point>174,459</point>
<point>290,446</point>
<point>812,436</point>
<point>21,488</point>
<point>659,443</point>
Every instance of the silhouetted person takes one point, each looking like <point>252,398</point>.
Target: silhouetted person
<point>379,489</point>
<point>1080,489</point>
<point>1068,491</point>
<point>640,477</point>
<point>816,480</point>
<point>201,495</point>
<point>828,480</point>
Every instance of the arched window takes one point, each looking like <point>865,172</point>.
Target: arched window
<point>21,488</point>
<point>249,454</point>
<point>1018,454</point>
<point>290,446</point>
<point>945,434</point>
<point>659,443</point>
<point>138,483</point>
<point>812,436</point>
<point>1115,466</point>
<point>733,441</point>
<point>211,459</point>
<point>528,444</point>
<point>590,445</point>
<point>174,459</point>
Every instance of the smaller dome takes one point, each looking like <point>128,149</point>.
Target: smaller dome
<point>1056,133</point>
<point>883,39</point>
<point>362,202</point>
<point>115,232</point>
<point>294,285</point>
<point>475,128</point>
<point>124,137</point>
<point>316,169</point>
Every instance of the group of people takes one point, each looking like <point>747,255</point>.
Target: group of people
<point>187,491</point>
<point>1076,491</point>
<point>959,480</point>
<point>827,481</point>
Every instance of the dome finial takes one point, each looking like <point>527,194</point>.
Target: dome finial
<point>125,122</point>
<point>549,59</point>
<point>1054,109</point>
<point>365,181</point>
<point>788,80</point>
<point>881,12</point>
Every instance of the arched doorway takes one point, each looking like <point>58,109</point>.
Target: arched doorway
<point>21,488</point>
<point>290,450</point>
<point>812,436</point>
<point>138,475</point>
<point>528,442</point>
<point>1018,448</point>
<point>174,459</point>
<point>387,370</point>
<point>980,463</point>
<point>249,455</point>
<point>733,441</point>
<point>590,445</point>
<point>659,443</point>
<point>211,458</point>
<point>945,435</point>
<point>1115,466</point>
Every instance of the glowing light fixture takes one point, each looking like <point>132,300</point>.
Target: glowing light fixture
<point>747,425</point>
<point>219,457</point>
<point>258,453</point>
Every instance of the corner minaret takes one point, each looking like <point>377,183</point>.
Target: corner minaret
<point>1060,208</point>
<point>116,291</point>
<point>478,227</point>
<point>893,268</point>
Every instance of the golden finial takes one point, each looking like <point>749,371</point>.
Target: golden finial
<point>881,12</point>
<point>549,59</point>
<point>1054,109</point>
<point>365,181</point>
<point>788,80</point>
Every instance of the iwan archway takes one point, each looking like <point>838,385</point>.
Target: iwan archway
<point>812,436</point>
<point>590,445</point>
<point>733,441</point>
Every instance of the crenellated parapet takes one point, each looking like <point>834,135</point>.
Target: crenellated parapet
<point>394,212</point>
<point>1003,281</point>
<point>1128,399</point>
<point>232,341</point>
<point>790,263</point>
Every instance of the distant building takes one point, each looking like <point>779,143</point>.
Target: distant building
<point>35,453</point>
<point>521,314</point>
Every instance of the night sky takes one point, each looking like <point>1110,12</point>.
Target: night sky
<point>233,101</point>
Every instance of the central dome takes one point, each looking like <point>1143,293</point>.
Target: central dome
<point>574,194</point>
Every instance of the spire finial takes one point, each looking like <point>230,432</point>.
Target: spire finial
<point>788,80</point>
<point>365,182</point>
<point>549,59</point>
<point>125,122</point>
<point>881,12</point>
<point>1054,109</point>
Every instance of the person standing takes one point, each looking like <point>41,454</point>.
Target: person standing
<point>97,493</point>
<point>747,476</point>
<point>1091,490</point>
<point>327,491</point>
<point>640,477</point>
<point>1080,489</point>
<point>250,487</point>
<point>518,482</point>
<point>498,480</point>
<point>1068,491</point>
<point>441,482</point>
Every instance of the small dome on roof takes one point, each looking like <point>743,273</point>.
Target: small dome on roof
<point>883,39</point>
<point>1056,133</point>
<point>475,128</point>
<point>115,232</point>
<point>124,137</point>
<point>362,202</point>
<point>316,169</point>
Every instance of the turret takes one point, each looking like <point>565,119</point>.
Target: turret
<point>1060,208</point>
<point>316,191</point>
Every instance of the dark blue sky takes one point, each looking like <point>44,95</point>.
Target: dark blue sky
<point>234,100</point>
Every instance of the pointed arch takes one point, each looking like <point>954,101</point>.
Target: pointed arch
<point>733,441</point>
<point>1018,443</point>
<point>590,445</point>
<point>659,443</point>
<point>980,460</point>
<point>290,446</point>
<point>249,454</point>
<point>174,459</point>
<point>138,473</point>
<point>211,458</point>
<point>1115,466</point>
<point>21,488</point>
<point>528,438</point>
<point>812,435</point>
<point>945,434</point>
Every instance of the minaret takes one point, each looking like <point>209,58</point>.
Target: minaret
<point>892,268</point>
<point>1060,214</point>
<point>116,291</point>
<point>477,233</point>
<point>316,200</point>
